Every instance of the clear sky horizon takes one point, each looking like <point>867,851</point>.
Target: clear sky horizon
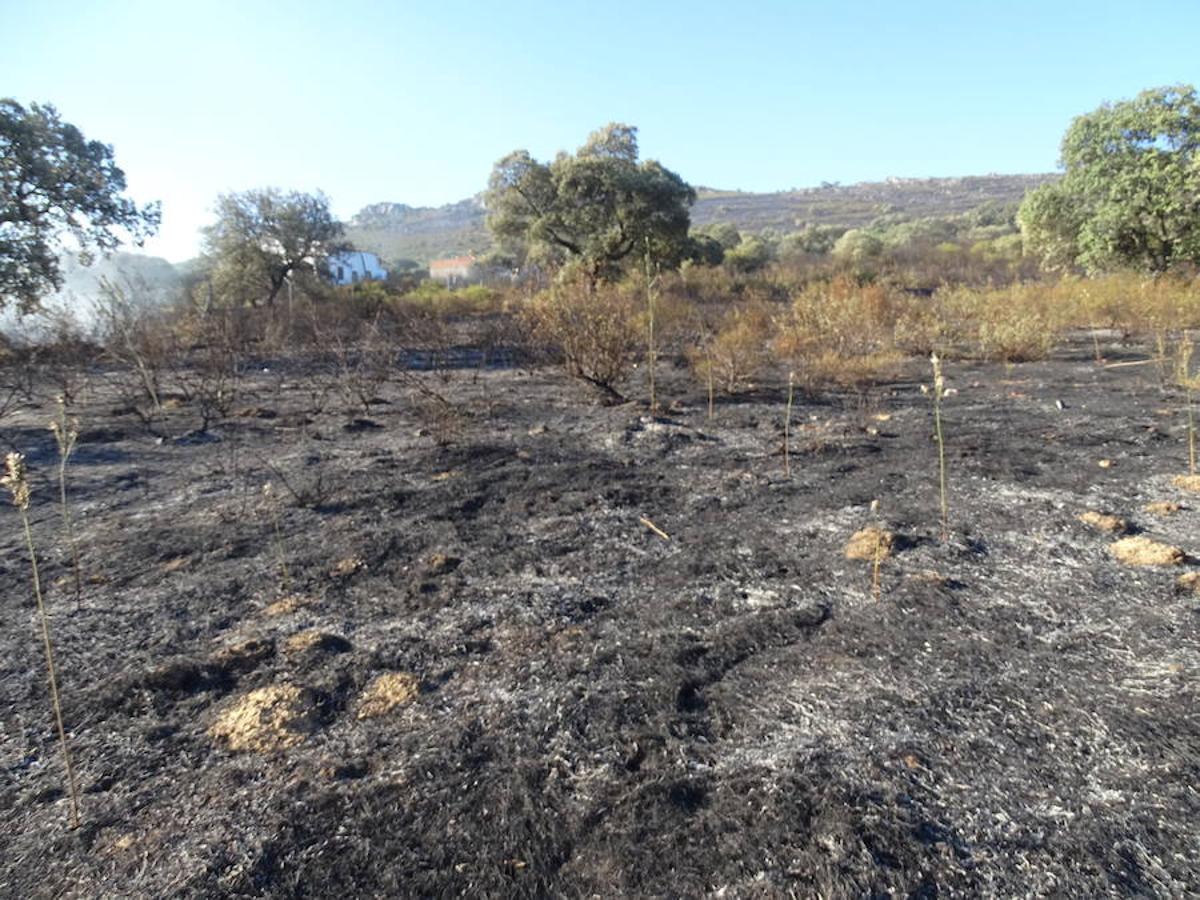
<point>414,102</point>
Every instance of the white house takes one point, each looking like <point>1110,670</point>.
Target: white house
<point>353,266</point>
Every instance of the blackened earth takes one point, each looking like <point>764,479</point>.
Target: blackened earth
<point>603,712</point>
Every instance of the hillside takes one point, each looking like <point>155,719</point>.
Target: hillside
<point>396,231</point>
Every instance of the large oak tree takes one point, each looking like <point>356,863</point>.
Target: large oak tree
<point>262,238</point>
<point>58,192</point>
<point>594,208</point>
<point>1130,194</point>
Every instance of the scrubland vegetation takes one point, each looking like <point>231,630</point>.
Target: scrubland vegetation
<point>668,560</point>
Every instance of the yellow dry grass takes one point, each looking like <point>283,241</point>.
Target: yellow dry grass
<point>314,639</point>
<point>386,692</point>
<point>1104,521</point>
<point>304,640</point>
<point>1143,551</point>
<point>1163,507</point>
<point>1189,581</point>
<point>288,604</point>
<point>264,720</point>
<point>1189,483</point>
<point>870,543</point>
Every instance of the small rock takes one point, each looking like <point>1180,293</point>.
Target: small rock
<point>347,566</point>
<point>442,564</point>
<point>245,656</point>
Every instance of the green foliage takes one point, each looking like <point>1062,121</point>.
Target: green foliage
<point>724,233</point>
<point>922,231</point>
<point>858,248</point>
<point>55,182</point>
<point>594,208</point>
<point>705,250</point>
<point>814,240</point>
<point>749,256</point>
<point>262,237</point>
<point>1131,193</point>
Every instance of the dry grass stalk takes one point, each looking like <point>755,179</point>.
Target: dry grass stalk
<point>66,433</point>
<point>787,426</point>
<point>711,382</point>
<point>16,479</point>
<point>650,525</point>
<point>1183,376</point>
<point>876,588</point>
<point>651,350</point>
<point>939,391</point>
<point>285,580</point>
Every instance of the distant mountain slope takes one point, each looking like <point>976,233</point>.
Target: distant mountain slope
<point>396,231</point>
<point>856,205</point>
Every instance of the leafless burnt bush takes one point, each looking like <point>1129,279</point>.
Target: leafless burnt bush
<point>63,352</point>
<point>211,380</point>
<point>18,374</point>
<point>139,336</point>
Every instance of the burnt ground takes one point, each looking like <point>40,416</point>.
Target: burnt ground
<point>599,711</point>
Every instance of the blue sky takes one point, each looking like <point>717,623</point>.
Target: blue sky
<point>413,102</point>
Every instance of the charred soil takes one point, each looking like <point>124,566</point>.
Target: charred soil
<point>441,662</point>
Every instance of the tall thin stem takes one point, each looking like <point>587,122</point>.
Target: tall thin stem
<point>66,432</point>
<point>62,731</point>
<point>651,350</point>
<point>787,426</point>
<point>939,386</point>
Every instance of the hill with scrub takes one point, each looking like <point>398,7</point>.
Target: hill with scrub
<point>399,232</point>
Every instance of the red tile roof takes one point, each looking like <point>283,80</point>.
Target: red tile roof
<point>452,263</point>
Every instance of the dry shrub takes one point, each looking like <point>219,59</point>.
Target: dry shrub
<point>595,330</point>
<point>841,332</point>
<point>736,351</point>
<point>1017,323</point>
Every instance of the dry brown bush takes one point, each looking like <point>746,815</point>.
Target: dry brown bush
<point>596,331</point>
<point>841,332</point>
<point>737,350</point>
